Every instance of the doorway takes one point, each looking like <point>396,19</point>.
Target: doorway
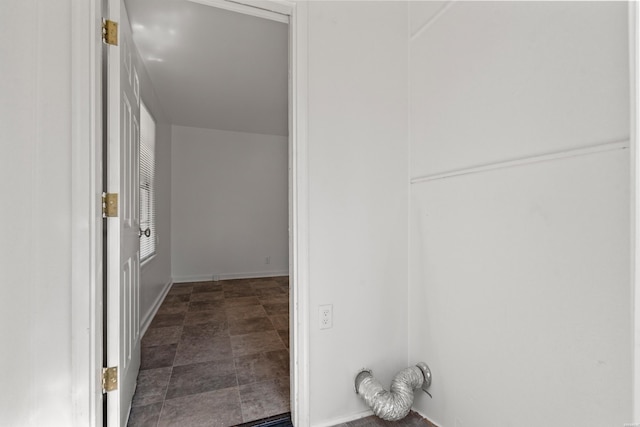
<point>204,187</point>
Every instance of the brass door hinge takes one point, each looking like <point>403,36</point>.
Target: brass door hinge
<point>110,32</point>
<point>109,205</point>
<point>109,379</point>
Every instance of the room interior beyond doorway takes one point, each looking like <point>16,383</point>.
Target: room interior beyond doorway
<point>173,99</point>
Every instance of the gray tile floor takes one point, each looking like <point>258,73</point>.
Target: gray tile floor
<point>216,354</point>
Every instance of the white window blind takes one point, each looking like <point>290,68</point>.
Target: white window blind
<point>147,184</point>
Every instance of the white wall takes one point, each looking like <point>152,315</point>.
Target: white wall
<point>358,199</point>
<point>155,274</point>
<point>35,226</point>
<point>519,281</point>
<point>229,204</point>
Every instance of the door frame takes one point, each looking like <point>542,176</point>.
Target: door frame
<point>634,202</point>
<point>86,213</point>
<point>86,206</point>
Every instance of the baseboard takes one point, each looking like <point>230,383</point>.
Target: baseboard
<point>344,419</point>
<point>258,274</point>
<point>195,278</point>
<point>427,418</point>
<point>228,276</point>
<point>357,416</point>
<point>146,321</point>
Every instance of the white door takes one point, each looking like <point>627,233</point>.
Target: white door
<point>123,247</point>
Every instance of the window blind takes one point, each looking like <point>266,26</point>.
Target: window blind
<point>147,184</point>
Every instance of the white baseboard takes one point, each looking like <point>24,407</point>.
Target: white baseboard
<point>194,278</point>
<point>146,321</point>
<point>258,274</point>
<point>228,276</point>
<point>424,416</point>
<point>357,416</point>
<point>343,419</point>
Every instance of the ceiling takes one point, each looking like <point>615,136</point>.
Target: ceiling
<point>214,68</point>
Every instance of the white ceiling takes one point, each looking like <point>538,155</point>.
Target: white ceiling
<point>214,68</point>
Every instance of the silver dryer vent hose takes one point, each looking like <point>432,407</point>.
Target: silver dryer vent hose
<point>395,404</point>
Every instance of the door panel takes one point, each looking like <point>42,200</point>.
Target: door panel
<point>123,247</point>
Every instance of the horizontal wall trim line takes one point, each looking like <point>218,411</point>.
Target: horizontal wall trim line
<point>431,21</point>
<point>574,152</point>
<point>228,276</point>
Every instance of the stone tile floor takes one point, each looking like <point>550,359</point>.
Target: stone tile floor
<point>216,354</point>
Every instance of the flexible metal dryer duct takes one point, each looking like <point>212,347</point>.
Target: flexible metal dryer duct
<point>395,404</point>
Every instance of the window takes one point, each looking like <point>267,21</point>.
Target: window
<point>148,237</point>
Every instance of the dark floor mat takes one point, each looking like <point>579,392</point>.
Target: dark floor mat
<point>283,420</point>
